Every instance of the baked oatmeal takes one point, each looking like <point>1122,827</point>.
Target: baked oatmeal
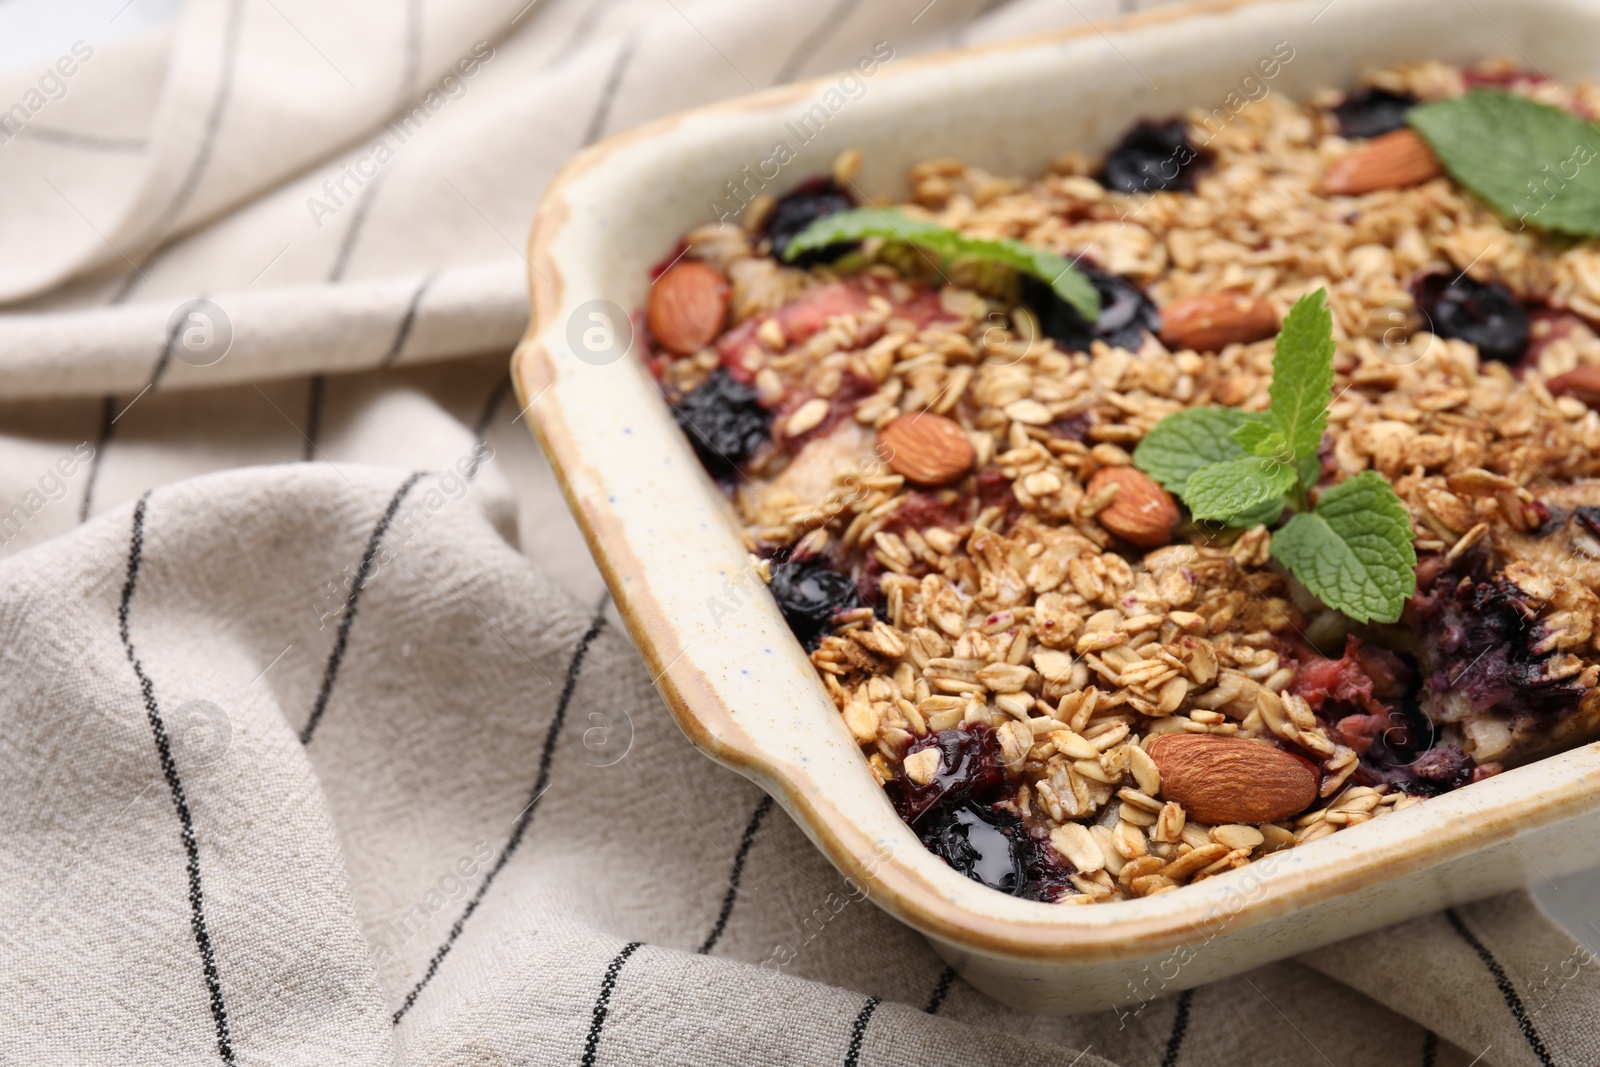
<point>1070,687</point>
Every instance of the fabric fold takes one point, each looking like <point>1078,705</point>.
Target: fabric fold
<point>349,760</point>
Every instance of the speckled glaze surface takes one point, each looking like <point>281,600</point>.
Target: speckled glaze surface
<point>742,688</point>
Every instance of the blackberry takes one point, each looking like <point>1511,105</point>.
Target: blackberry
<point>1151,157</point>
<point>1486,314</point>
<point>724,422</point>
<point>810,200</point>
<point>1125,312</point>
<point>811,594</point>
<point>1371,112</point>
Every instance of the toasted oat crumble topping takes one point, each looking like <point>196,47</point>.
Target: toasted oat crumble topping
<point>1005,605</point>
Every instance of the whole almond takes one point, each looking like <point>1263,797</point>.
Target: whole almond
<point>1142,513</point>
<point>688,307</point>
<point>1583,383</point>
<point>1393,161</point>
<point>928,450</point>
<point>1214,321</point>
<point>1224,780</point>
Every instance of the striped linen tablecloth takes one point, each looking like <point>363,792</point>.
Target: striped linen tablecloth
<point>321,743</point>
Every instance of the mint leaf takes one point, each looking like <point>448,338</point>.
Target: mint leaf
<point>1263,514</point>
<point>859,223</point>
<point>1354,552</point>
<point>1224,491</point>
<point>1258,438</point>
<point>1310,468</point>
<point>1065,281</point>
<point>1187,440</point>
<point>1529,161</point>
<point>1302,375</point>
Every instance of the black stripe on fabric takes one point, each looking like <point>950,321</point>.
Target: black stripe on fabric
<point>608,93</point>
<point>93,142</point>
<point>592,12</point>
<point>541,782</point>
<point>602,1003</point>
<point>201,162</point>
<point>811,42</point>
<point>940,991</point>
<point>480,429</point>
<point>407,321</point>
<point>1180,1027</point>
<point>169,768</point>
<point>348,617</point>
<point>1430,1049</point>
<point>219,107</point>
<point>315,386</point>
<point>125,287</point>
<point>108,411</point>
<point>737,874</point>
<point>358,223</point>
<point>174,330</point>
<point>1508,992</point>
<point>858,1031</point>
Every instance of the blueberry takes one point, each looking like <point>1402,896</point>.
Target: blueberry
<point>1125,313</point>
<point>1370,112</point>
<point>981,844</point>
<point>992,846</point>
<point>1151,157</point>
<point>811,594</point>
<point>724,422</point>
<point>957,817</point>
<point>1482,638</point>
<point>809,201</point>
<point>1486,314</point>
<point>969,770</point>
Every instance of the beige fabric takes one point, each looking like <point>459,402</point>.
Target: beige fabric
<point>262,797</point>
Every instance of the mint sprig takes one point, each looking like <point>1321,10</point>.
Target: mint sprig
<point>1302,380</point>
<point>891,224</point>
<point>1187,440</point>
<point>1222,491</point>
<point>1352,548</point>
<point>1529,161</point>
<point>1354,551</point>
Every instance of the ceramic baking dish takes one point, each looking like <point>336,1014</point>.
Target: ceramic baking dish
<point>740,685</point>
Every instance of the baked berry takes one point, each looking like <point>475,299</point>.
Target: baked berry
<point>976,842</point>
<point>1370,112</point>
<point>1126,314</point>
<point>1440,770</point>
<point>724,422</point>
<point>810,595</point>
<point>1049,873</point>
<point>1482,640</point>
<point>969,770</point>
<point>1151,157</point>
<point>992,846</point>
<point>1486,314</point>
<point>811,200</point>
